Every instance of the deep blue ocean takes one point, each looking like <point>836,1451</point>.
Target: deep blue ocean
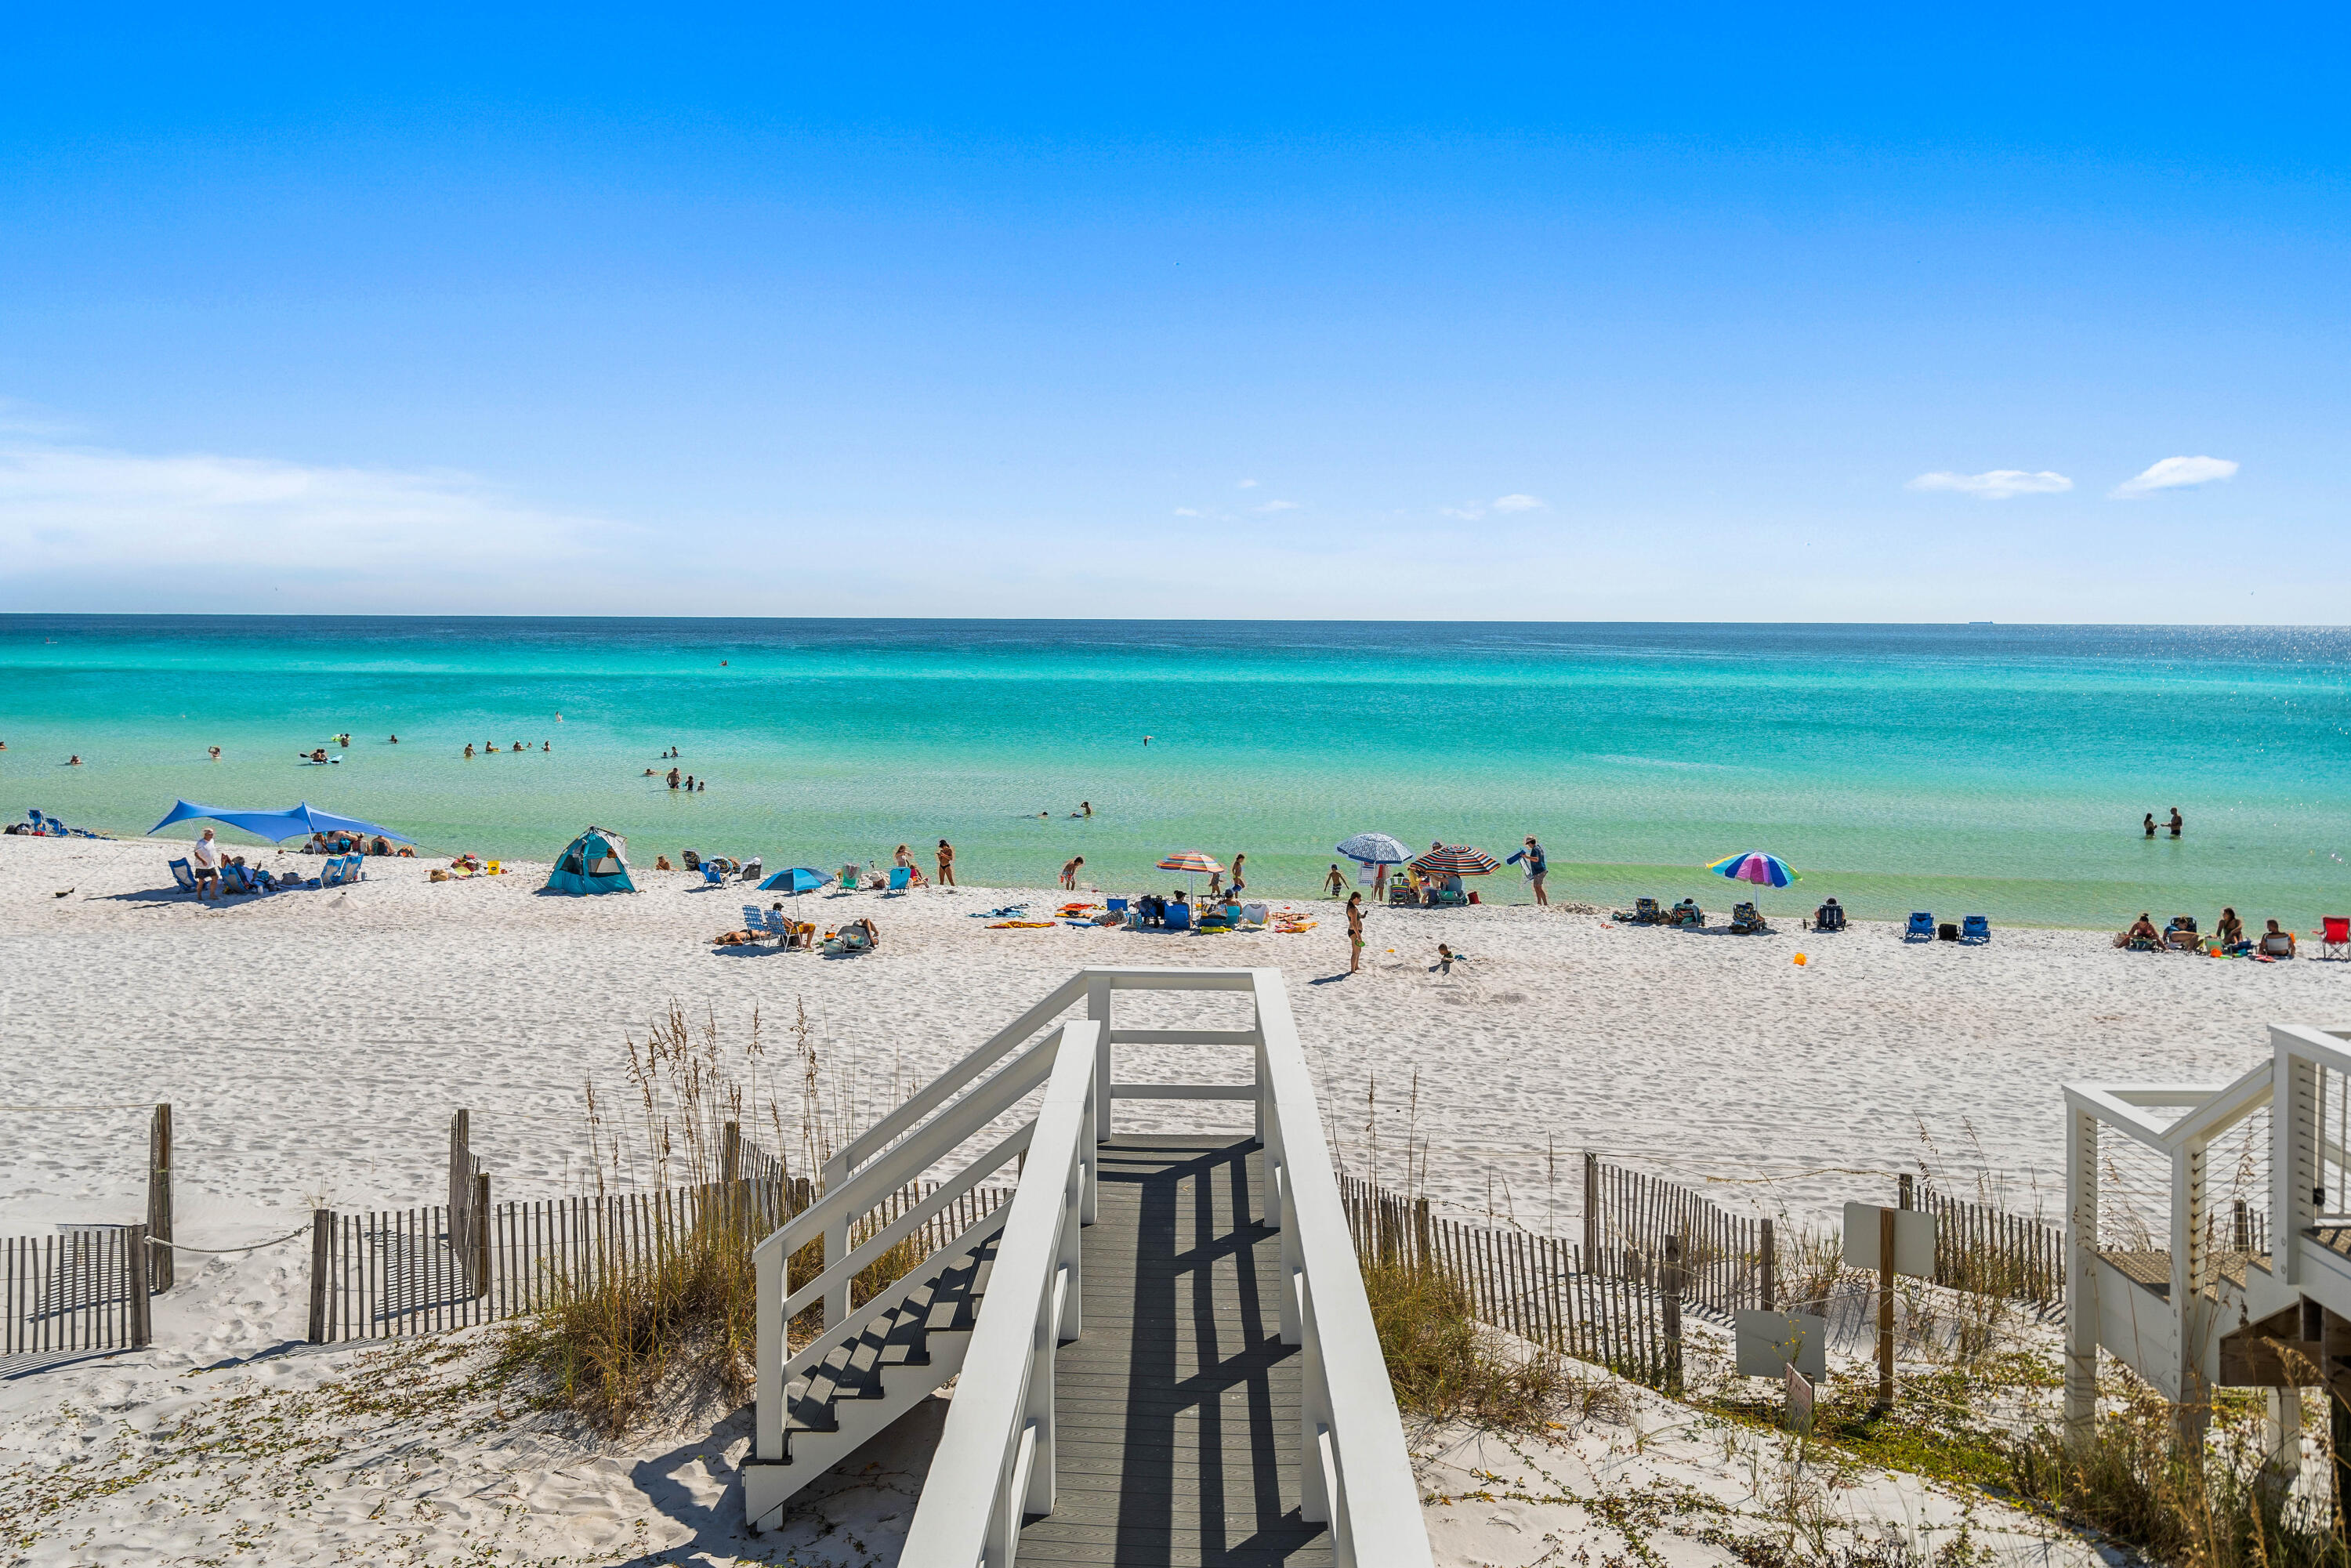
<point>1995,770</point>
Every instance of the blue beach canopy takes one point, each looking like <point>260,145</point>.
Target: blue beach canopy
<point>294,822</point>
<point>595,861</point>
<point>798,879</point>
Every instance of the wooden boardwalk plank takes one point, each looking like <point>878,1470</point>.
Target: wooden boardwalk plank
<point>1177,1412</point>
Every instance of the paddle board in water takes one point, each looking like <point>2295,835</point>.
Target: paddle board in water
<point>314,762</point>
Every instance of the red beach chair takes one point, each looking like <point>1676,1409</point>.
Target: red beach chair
<point>2336,939</point>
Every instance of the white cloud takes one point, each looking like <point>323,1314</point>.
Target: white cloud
<point>2171,474</point>
<point>1997,486</point>
<point>1246,485</point>
<point>1517,503</point>
<point>1466,513</point>
<point>208,525</point>
<point>1276,507</point>
<point>1186,512</point>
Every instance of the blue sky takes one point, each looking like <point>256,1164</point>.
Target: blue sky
<point>1719,314</point>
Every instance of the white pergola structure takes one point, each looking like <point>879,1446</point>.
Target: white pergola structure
<point>2243,1279</point>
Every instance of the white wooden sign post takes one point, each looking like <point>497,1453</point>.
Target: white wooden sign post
<point>1892,1241</point>
<point>1791,1347</point>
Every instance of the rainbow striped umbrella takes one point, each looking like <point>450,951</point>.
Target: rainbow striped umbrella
<point>1457,860</point>
<point>1191,861</point>
<point>1755,866</point>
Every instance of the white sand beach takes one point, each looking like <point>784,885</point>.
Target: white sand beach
<point>313,1045</point>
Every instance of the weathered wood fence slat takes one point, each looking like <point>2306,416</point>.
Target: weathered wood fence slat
<point>399,1272</point>
<point>85,1287</point>
<point>1536,1287</point>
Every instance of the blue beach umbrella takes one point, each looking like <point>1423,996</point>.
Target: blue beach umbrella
<point>1755,866</point>
<point>798,879</point>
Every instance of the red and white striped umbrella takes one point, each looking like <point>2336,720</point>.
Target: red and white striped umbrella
<point>1191,861</point>
<point>1457,860</point>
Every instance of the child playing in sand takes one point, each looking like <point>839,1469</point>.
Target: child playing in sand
<point>1447,957</point>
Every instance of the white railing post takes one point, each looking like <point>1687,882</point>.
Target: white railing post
<point>1313,1414</point>
<point>2081,1281</point>
<point>1283,1211</point>
<point>836,1246</point>
<point>1264,1087</point>
<point>1072,1262</point>
<point>767,1353</point>
<point>1089,1154</point>
<point>1098,1010</point>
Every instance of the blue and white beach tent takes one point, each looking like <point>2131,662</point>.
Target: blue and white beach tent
<point>597,861</point>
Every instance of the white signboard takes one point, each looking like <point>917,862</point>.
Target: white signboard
<point>1770,1342</point>
<point>1914,1239</point>
<point>1800,1402</point>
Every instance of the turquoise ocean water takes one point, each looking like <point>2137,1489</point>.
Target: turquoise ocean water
<point>1956,769</point>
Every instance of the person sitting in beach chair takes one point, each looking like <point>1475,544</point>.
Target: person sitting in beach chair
<point>1829,916</point>
<point>2277,944</point>
<point>2142,936</point>
<point>2228,935</point>
<point>1747,920</point>
<point>1646,912</point>
<point>2181,934</point>
<point>693,861</point>
<point>1686,913</point>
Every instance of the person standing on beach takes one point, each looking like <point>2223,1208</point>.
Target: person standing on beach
<point>1237,883</point>
<point>947,864</point>
<point>1070,872</point>
<point>206,858</point>
<point>1354,933</point>
<point>1335,883</point>
<point>1537,868</point>
<point>2178,822</point>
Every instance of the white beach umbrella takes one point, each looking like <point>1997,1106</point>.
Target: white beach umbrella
<point>1374,849</point>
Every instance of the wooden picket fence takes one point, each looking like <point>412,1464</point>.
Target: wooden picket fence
<point>1727,1261</point>
<point>85,1287</point>
<point>1984,1249</point>
<point>1536,1287</point>
<point>413,1272</point>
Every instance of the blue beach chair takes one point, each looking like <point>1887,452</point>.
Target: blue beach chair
<point>754,920</point>
<point>1179,917</point>
<point>899,877</point>
<point>778,927</point>
<point>1921,927</point>
<point>1975,929</point>
<point>713,874</point>
<point>181,874</point>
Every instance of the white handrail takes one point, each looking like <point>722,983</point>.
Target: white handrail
<point>830,1217</point>
<point>1352,1459</point>
<point>995,1460</point>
